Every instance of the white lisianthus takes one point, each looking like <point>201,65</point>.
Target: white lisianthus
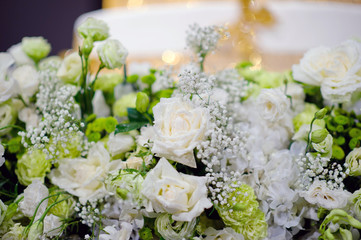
<point>112,54</point>
<point>14,233</point>
<point>272,104</point>
<point>324,147</point>
<point>7,85</point>
<point>7,117</point>
<point>2,151</point>
<point>29,117</point>
<point>70,69</point>
<point>3,209</point>
<point>95,29</point>
<point>319,194</point>
<point>337,70</point>
<point>182,195</point>
<point>113,234</point>
<point>83,177</point>
<point>178,128</point>
<point>19,55</point>
<point>33,195</point>
<point>36,48</point>
<point>100,107</point>
<point>120,143</point>
<point>224,234</point>
<point>353,160</point>
<point>171,230</point>
<point>28,80</point>
<point>52,225</point>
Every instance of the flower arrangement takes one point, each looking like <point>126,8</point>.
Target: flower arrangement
<point>143,153</point>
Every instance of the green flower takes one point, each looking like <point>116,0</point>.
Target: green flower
<point>112,54</point>
<point>142,102</point>
<point>245,217</point>
<point>32,166</point>
<point>121,105</point>
<point>306,116</point>
<point>325,146</point>
<point>269,79</point>
<point>36,48</point>
<point>174,230</point>
<point>95,29</point>
<point>107,82</point>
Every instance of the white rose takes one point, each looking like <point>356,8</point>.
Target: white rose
<point>337,70</point>
<point>178,128</point>
<point>19,55</point>
<point>29,117</point>
<point>100,107</point>
<point>28,80</point>
<point>7,85</point>
<point>224,234</point>
<point>120,143</point>
<point>319,194</point>
<point>113,234</point>
<point>83,177</point>
<point>33,195</point>
<point>353,160</point>
<point>182,195</point>
<point>2,151</point>
<point>52,225</point>
<point>70,69</point>
<point>273,105</point>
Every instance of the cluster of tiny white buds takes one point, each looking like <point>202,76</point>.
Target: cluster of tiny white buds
<point>89,212</point>
<point>314,167</point>
<point>202,40</point>
<point>165,78</point>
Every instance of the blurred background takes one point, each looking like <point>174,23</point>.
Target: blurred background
<point>273,34</point>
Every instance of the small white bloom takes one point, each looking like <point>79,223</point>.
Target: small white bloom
<point>28,80</point>
<point>33,195</point>
<point>182,195</point>
<point>273,104</point>
<point>100,107</point>
<point>7,85</point>
<point>52,225</point>
<point>179,127</point>
<point>120,143</point>
<point>29,117</point>
<point>19,55</point>
<point>112,54</point>
<point>224,234</point>
<point>114,234</point>
<point>136,162</point>
<point>318,193</point>
<point>83,177</point>
<point>353,160</point>
<point>70,69</point>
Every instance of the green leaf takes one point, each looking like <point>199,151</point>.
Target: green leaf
<point>126,127</point>
<point>135,116</point>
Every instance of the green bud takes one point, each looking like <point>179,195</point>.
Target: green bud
<point>340,128</point>
<point>340,140</point>
<point>330,124</point>
<point>337,152</point>
<point>142,102</point>
<point>341,120</point>
<point>319,135</point>
<point>94,137</point>
<point>244,65</point>
<point>146,233</point>
<point>354,143</point>
<point>110,123</point>
<point>148,79</point>
<point>87,46</point>
<point>321,113</point>
<point>122,193</point>
<point>121,105</point>
<point>36,230</point>
<point>346,234</point>
<point>36,48</point>
<point>90,118</point>
<point>166,93</point>
<point>132,78</point>
<point>354,132</point>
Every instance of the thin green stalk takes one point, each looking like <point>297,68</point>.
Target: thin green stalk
<point>13,126</point>
<point>96,75</point>
<point>309,136</point>
<point>125,72</point>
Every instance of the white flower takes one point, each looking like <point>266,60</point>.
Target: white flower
<point>318,193</point>
<point>2,151</point>
<point>171,230</point>
<point>7,85</point>
<point>100,107</point>
<point>119,143</point>
<point>33,195</point>
<point>112,54</point>
<point>95,29</point>
<point>27,79</point>
<point>3,209</point>
<point>337,70</point>
<point>83,177</point>
<point>353,160</point>
<point>70,69</point>
<point>29,117</point>
<point>52,225</point>
<point>14,233</point>
<point>272,104</point>
<point>224,234</point>
<point>114,234</point>
<point>178,129</point>
<point>136,162</point>
<point>182,195</point>
<point>19,55</point>
<point>324,147</point>
<point>8,112</point>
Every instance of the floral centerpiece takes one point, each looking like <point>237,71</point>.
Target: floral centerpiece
<point>144,153</point>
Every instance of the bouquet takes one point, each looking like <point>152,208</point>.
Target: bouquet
<point>132,152</point>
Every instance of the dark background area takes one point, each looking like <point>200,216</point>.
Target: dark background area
<point>52,19</point>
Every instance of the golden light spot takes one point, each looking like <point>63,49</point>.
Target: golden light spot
<point>171,57</point>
